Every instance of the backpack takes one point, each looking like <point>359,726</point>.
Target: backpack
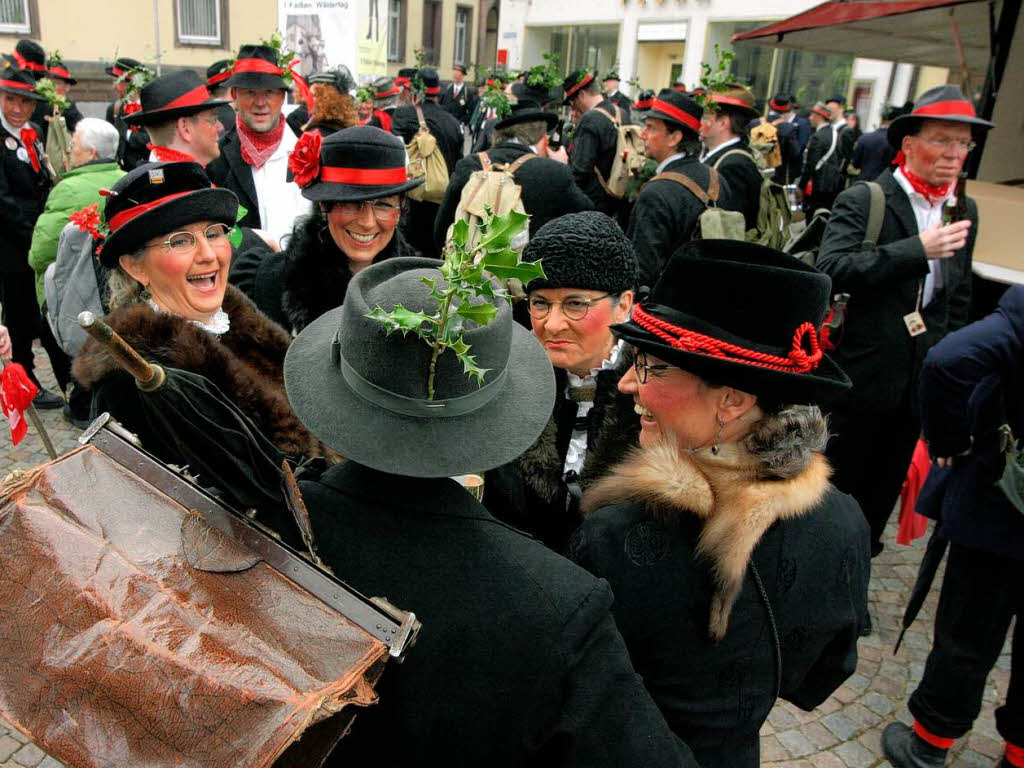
<point>630,156</point>
<point>71,286</point>
<point>774,214</point>
<point>764,139</point>
<point>426,162</point>
<point>493,187</point>
<point>714,223</point>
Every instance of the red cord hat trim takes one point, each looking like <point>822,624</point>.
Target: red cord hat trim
<point>798,360</point>
<point>676,114</point>
<point>581,84</point>
<point>364,176</point>
<point>131,213</point>
<point>945,108</point>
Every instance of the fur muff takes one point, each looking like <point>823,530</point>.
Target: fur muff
<point>316,271</point>
<point>724,491</point>
<point>246,363</point>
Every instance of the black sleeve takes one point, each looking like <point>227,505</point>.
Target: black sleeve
<point>586,146</point>
<point>651,228</point>
<point>257,271</point>
<point>815,151</point>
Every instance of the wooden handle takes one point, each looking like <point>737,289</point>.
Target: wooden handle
<point>147,375</point>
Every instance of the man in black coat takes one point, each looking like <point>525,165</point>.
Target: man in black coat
<point>665,213</point>
<point>518,662</point>
<point>906,293</point>
<point>547,188</point>
<point>615,96</point>
<point>592,149</point>
<point>405,123</point>
<point>459,97</point>
<point>724,135</point>
<point>821,179</point>
<point>873,153</point>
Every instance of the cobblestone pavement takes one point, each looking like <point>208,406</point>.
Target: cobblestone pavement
<point>844,732</point>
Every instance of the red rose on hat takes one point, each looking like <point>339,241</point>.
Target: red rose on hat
<point>304,160</point>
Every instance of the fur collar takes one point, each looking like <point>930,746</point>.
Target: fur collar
<point>316,273</point>
<point>723,490</point>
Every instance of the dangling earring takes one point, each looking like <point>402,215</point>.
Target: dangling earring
<point>718,436</point>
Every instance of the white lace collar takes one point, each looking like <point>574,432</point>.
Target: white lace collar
<point>609,362</point>
<point>218,324</point>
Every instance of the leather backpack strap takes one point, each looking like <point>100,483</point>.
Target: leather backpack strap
<point>518,163</point>
<point>713,186</point>
<point>421,118</point>
<point>736,151</point>
<point>690,184</point>
<point>485,161</point>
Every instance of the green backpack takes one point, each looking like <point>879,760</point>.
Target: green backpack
<point>773,213</point>
<point>714,223</point>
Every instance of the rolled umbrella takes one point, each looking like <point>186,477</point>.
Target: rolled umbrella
<point>930,562</point>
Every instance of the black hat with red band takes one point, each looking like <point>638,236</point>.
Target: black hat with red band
<point>351,165</point>
<point>20,82</point>
<point>121,66</point>
<point>256,67</point>
<point>157,199</point>
<point>781,103</point>
<point>431,82</point>
<point>575,83</point>
<point>947,102</point>
<point>169,97</point>
<point>740,315</point>
<point>30,56</point>
<point>217,73</point>
<point>60,72</point>
<point>674,107</point>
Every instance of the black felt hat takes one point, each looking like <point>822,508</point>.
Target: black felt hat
<point>539,94</point>
<point>781,103</point>
<point>576,82</point>
<point>431,82</point>
<point>674,107</point>
<point>734,98</point>
<point>359,163</point>
<point>20,82</point>
<point>524,111</point>
<point>363,391</point>
<point>57,71</point>
<point>583,250</point>
<point>404,77</point>
<point>30,56</point>
<point>946,102</point>
<point>158,198</point>
<point>122,65</point>
<point>740,315</point>
<point>217,73</point>
<point>256,67</point>
<point>169,97</point>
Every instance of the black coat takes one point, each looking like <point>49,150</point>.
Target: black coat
<point>788,170</point>
<point>23,193</point>
<point>812,557</point>
<point>548,189</point>
<point>531,492</point>
<point>316,273</point>
<point>593,144</point>
<point>804,129</point>
<point>875,349</point>
<point>970,385</point>
<point>817,148</point>
<point>444,127</point>
<point>462,107</point>
<point>872,154</point>
<point>482,141</point>
<point>257,271</point>
<point>742,177</point>
<point>518,662</point>
<point>131,144</point>
<point>665,216</point>
<point>232,172</point>
<point>624,104</point>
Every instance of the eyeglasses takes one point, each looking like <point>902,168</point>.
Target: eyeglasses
<point>382,210</point>
<point>186,242</point>
<point>643,369</point>
<point>573,307</point>
<point>944,143</point>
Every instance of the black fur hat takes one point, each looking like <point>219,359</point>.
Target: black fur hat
<point>583,250</point>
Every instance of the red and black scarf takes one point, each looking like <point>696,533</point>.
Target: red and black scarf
<point>257,148</point>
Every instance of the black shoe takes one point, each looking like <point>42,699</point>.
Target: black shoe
<point>45,400</point>
<point>905,749</point>
<point>71,419</point>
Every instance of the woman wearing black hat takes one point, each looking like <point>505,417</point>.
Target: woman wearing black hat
<point>357,180</point>
<point>590,275</point>
<point>168,255</point>
<point>740,574</point>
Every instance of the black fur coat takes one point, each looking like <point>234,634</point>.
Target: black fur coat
<point>246,364</point>
<point>316,272</point>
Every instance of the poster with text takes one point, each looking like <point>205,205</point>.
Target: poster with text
<point>373,40</point>
<point>321,32</point>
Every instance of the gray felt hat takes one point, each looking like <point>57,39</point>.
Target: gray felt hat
<point>364,392</point>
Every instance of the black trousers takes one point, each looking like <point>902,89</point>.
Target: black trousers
<point>21,316</point>
<point>981,593</point>
<point>870,453</point>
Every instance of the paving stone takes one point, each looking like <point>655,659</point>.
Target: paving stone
<point>50,762</point>
<point>826,760</point>
<point>841,726</point>
<point>29,756</point>
<point>877,703</point>
<point>8,747</point>
<point>855,755</point>
<point>796,744</point>
<point>772,750</point>
<point>820,736</point>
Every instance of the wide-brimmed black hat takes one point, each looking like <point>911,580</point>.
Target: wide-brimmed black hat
<point>256,67</point>
<point>217,73</point>
<point>674,107</point>
<point>946,102</point>
<point>431,82</point>
<point>540,94</point>
<point>30,56</point>
<point>740,315</point>
<point>575,82</point>
<point>404,77</point>
<point>358,163</point>
<point>363,391</point>
<point>781,103</point>
<point>734,98</point>
<point>525,111</point>
<point>583,250</point>
<point>158,198</point>
<point>20,82</point>
<point>57,71</point>
<point>169,97</point>
<point>339,78</point>
<point>122,65</point>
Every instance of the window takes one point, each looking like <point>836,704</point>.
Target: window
<point>431,31</point>
<point>396,30</point>
<point>199,22</point>
<point>463,34</point>
<point>15,17</point>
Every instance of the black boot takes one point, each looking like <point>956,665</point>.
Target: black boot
<point>905,749</point>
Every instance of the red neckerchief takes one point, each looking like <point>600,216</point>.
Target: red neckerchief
<point>131,108</point>
<point>258,147</point>
<point>929,192</point>
<point>384,118</point>
<point>169,155</point>
<point>28,138</point>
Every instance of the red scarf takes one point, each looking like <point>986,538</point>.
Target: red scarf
<point>168,155</point>
<point>131,108</point>
<point>28,138</point>
<point>258,147</point>
<point>930,192</point>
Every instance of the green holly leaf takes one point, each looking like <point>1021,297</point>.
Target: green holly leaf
<point>505,264</point>
<point>458,346</point>
<point>481,314</point>
<point>471,369</point>
<point>500,230</point>
<point>460,233</point>
<point>400,319</point>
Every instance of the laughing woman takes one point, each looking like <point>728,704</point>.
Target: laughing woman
<point>168,257</point>
<point>740,574</point>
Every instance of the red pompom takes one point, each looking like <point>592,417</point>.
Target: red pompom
<point>304,160</point>
<point>16,393</point>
